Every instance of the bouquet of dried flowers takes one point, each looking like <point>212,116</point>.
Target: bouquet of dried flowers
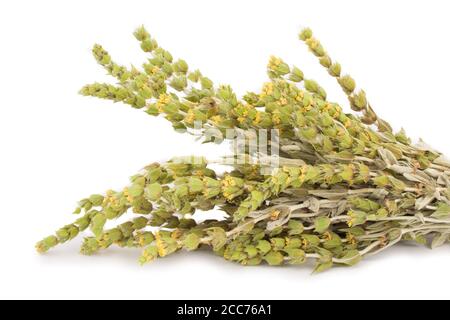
<point>344,187</point>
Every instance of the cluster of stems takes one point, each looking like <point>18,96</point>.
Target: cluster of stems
<point>346,186</point>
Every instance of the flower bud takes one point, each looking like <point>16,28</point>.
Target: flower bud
<point>141,34</point>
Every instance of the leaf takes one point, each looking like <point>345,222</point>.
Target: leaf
<point>321,224</point>
<point>420,239</point>
<point>206,83</point>
<point>219,238</point>
<point>381,181</point>
<point>153,191</point>
<point>295,227</point>
<point>195,185</point>
<point>297,256</point>
<point>97,224</point>
<point>311,173</point>
<point>96,199</point>
<point>397,184</point>
<point>439,240</point>
<point>135,190</point>
<point>149,254</point>
<point>191,242</point>
<point>264,246</point>
<point>257,198</point>
<point>311,239</point>
<point>364,204</point>
<point>251,251</point>
<point>311,85</point>
<point>322,266</point>
<point>293,243</point>
<point>334,241</point>
<point>274,258</point>
<point>442,211</point>
<point>278,243</point>
<point>347,173</point>
<point>351,258</point>
<point>253,261</point>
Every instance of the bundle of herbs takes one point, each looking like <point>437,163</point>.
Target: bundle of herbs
<point>344,186</point>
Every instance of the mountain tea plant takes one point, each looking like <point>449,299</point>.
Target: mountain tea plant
<point>346,186</point>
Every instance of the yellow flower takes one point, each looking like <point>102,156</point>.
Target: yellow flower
<point>176,234</point>
<point>216,119</point>
<point>274,62</point>
<point>327,107</point>
<point>337,113</point>
<point>276,119</point>
<point>267,89</point>
<point>160,245</point>
<point>299,96</point>
<point>347,123</point>
<point>190,117</point>
<point>305,243</point>
<point>230,181</point>
<point>163,100</point>
<point>154,70</point>
<point>307,108</point>
<point>283,101</point>
<point>351,238</point>
<point>257,119</point>
<point>228,196</point>
<point>312,43</point>
<point>274,215</point>
<point>327,236</point>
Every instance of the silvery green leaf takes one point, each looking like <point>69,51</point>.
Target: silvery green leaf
<point>379,193</point>
<point>328,194</point>
<point>422,202</point>
<point>387,156</point>
<point>443,179</point>
<point>433,172</point>
<point>341,207</point>
<point>439,240</point>
<point>418,177</point>
<point>314,204</point>
<point>397,168</point>
<point>442,211</point>
<point>283,219</point>
<point>442,160</point>
<point>351,258</point>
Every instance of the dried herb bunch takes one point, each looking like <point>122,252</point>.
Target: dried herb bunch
<point>347,186</point>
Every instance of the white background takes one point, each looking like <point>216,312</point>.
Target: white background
<point>57,147</point>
